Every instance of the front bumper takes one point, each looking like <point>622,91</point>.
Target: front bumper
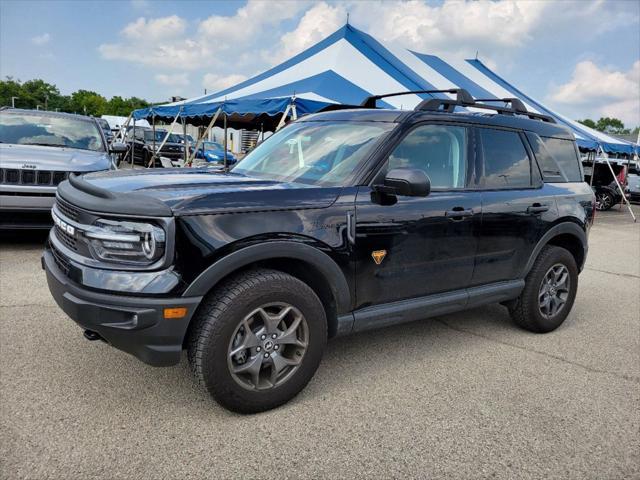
<point>135,325</point>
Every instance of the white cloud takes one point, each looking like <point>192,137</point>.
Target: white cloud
<point>601,91</point>
<point>41,39</point>
<point>173,80</point>
<point>159,42</point>
<point>214,82</point>
<point>155,29</point>
<point>317,23</point>
<point>249,23</point>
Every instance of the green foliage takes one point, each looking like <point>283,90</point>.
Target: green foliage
<point>589,123</point>
<point>607,125</point>
<point>37,93</point>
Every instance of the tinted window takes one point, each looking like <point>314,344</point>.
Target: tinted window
<point>439,150</point>
<point>506,163</point>
<point>565,155</point>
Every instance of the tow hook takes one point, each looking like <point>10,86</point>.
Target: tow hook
<point>92,336</point>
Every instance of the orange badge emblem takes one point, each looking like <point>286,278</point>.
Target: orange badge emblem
<point>378,256</point>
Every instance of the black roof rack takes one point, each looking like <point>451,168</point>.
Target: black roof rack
<point>517,107</point>
<point>462,96</point>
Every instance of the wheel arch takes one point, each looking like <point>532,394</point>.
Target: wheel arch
<point>567,235</point>
<point>301,260</point>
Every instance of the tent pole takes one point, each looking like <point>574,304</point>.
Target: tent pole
<point>593,167</point>
<point>166,137</point>
<point>284,117</point>
<point>153,127</point>
<point>225,142</point>
<point>133,142</point>
<point>606,158</point>
<point>201,137</point>
<point>122,128</point>
<point>186,141</point>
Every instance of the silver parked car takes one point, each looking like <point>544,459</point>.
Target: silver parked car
<point>38,150</point>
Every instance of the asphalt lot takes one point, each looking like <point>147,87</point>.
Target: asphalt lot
<point>459,396</point>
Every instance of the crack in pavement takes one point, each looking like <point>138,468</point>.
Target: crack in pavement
<point>621,376</point>
<point>632,275</point>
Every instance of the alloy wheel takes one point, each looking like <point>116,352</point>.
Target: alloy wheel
<point>554,290</point>
<point>268,346</point>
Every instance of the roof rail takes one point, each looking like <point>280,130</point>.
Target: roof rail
<point>517,107</point>
<point>516,103</point>
<point>462,96</point>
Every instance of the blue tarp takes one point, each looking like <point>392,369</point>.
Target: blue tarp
<point>245,107</point>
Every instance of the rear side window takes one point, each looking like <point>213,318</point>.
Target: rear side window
<point>565,155</point>
<point>506,162</point>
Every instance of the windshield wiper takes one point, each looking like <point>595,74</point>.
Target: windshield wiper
<point>45,145</point>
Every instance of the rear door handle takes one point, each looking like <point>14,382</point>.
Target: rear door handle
<point>538,208</point>
<point>458,213</point>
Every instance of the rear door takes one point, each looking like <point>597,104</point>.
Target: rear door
<point>516,207</point>
<point>425,245</point>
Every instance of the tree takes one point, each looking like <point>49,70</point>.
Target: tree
<point>607,125</point>
<point>588,122</point>
<point>37,93</point>
<point>86,102</point>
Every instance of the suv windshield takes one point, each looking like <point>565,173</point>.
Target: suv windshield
<point>317,153</point>
<point>160,134</point>
<point>49,130</point>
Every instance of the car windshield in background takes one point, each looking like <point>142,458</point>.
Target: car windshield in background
<point>317,153</point>
<point>148,136</point>
<point>50,131</point>
<point>213,146</point>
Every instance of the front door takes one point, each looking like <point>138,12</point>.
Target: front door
<point>409,247</point>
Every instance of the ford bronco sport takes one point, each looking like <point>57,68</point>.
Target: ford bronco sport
<point>341,222</point>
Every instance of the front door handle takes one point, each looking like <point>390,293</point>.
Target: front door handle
<point>458,213</point>
<point>538,208</point>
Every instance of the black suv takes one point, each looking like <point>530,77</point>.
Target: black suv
<point>141,140</point>
<point>341,222</point>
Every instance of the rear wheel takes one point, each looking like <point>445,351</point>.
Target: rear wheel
<point>258,340</point>
<point>549,291</point>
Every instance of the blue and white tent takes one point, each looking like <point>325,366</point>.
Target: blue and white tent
<point>350,65</point>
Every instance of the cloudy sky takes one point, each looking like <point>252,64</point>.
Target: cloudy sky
<point>581,58</point>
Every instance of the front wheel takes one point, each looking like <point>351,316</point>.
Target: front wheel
<point>257,340</point>
<point>549,292</point>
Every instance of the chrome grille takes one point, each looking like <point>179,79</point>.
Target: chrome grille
<point>15,176</point>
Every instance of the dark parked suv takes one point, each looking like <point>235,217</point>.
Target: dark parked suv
<point>341,222</point>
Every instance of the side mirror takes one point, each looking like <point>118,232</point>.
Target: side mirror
<point>409,182</point>
<point>118,147</point>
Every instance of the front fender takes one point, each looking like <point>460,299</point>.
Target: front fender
<point>273,250</point>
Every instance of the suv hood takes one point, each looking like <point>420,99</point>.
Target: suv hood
<point>52,158</point>
<point>203,191</point>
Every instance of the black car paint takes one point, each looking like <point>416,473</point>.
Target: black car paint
<point>436,260</point>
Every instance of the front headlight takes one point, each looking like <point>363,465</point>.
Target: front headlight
<point>126,242</point>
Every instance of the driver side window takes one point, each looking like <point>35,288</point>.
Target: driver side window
<point>438,150</point>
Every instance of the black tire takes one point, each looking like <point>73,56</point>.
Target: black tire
<point>604,201</point>
<point>216,324</point>
<point>526,310</point>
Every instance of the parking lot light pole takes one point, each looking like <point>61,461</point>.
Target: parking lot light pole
<point>13,101</point>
